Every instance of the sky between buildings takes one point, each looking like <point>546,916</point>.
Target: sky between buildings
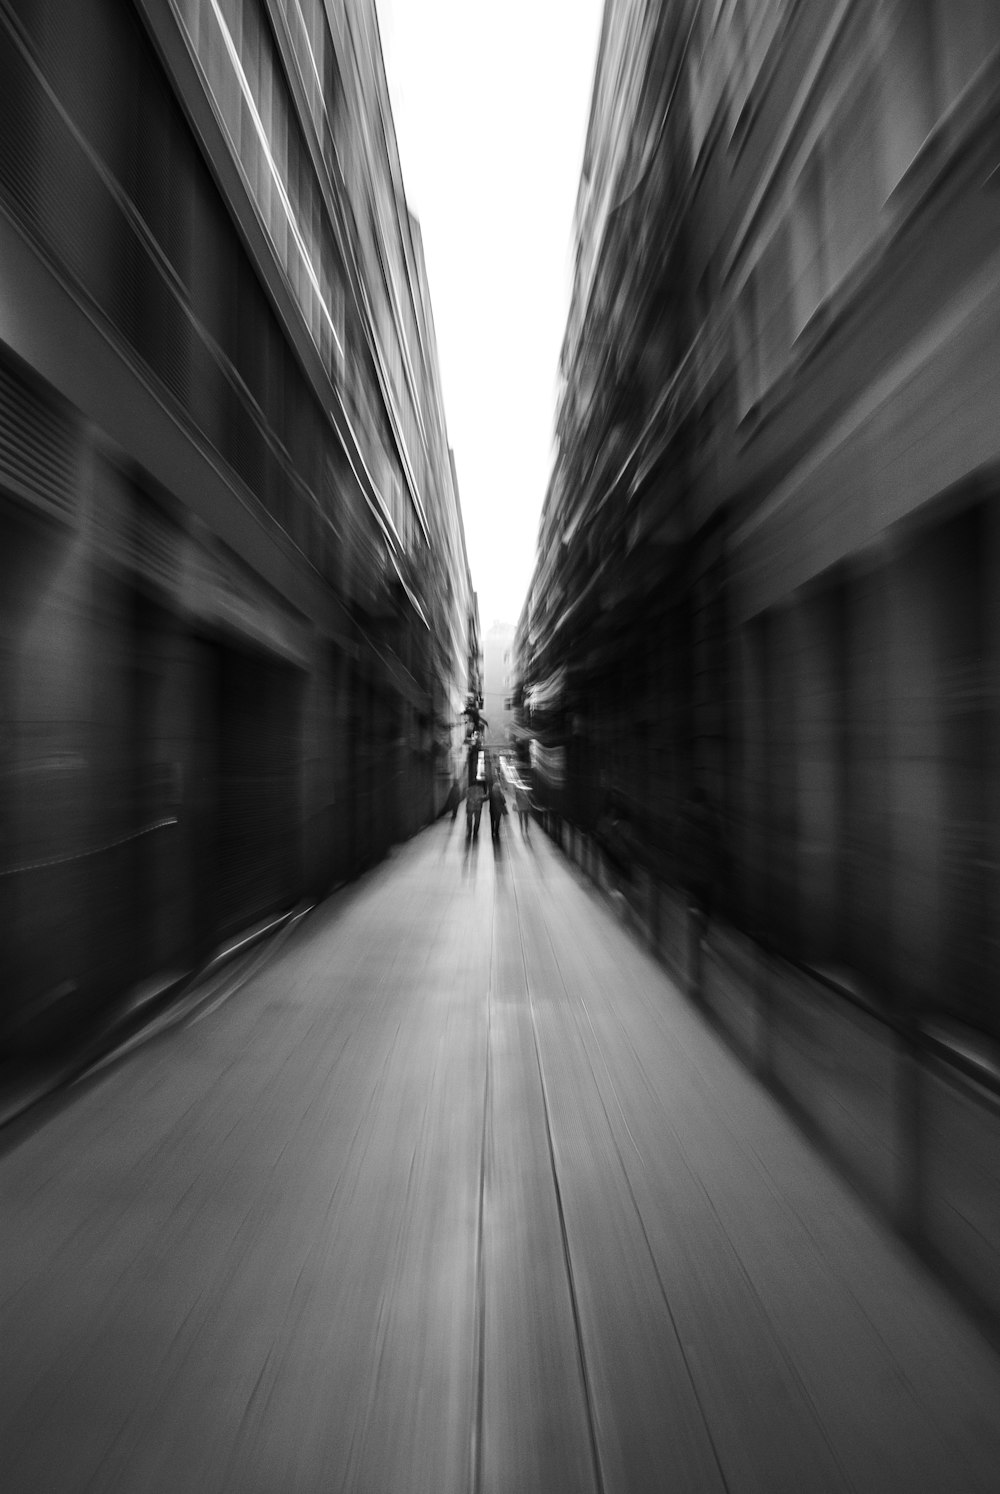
<point>490,105</point>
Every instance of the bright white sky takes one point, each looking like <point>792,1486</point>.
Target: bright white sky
<point>490,104</point>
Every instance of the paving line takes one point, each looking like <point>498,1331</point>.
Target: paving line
<point>202,1002</point>
<point>588,1392</point>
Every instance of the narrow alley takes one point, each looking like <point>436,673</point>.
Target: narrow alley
<point>457,1193</point>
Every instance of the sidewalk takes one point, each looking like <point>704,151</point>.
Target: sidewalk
<point>909,1111</point>
<point>459,1194</point>
<point>151,1007</point>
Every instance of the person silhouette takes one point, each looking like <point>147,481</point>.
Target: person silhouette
<point>498,806</point>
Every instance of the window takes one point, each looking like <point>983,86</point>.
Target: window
<point>970,32</point>
<point>808,244</point>
<point>745,328</point>
<point>910,94</point>
<point>773,308</point>
<point>853,197</point>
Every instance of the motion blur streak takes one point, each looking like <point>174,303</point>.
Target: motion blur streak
<point>238,626</point>
<point>450,1185</point>
<point>759,655</point>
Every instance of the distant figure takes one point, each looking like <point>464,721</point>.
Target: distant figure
<point>474,810</point>
<point>522,802</point>
<point>498,807</point>
<point>477,722</point>
<point>454,799</point>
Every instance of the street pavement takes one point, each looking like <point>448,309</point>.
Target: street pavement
<point>457,1193</point>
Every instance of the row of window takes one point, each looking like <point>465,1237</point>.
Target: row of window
<point>834,208</point>
<point>156,250</point>
<point>869,697</point>
<point>239,56</point>
<point>729,46</point>
<point>233,42</point>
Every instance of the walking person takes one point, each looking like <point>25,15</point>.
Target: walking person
<point>474,800</point>
<point>454,799</point>
<point>498,806</point>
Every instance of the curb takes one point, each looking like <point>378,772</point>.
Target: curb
<point>151,1008</point>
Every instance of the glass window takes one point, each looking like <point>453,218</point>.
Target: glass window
<point>808,245</point>
<point>745,329</point>
<point>910,102</point>
<point>774,292</point>
<point>853,205</point>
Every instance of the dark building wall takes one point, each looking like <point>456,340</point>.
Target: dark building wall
<point>774,490</point>
<point>225,550</point>
<point>774,506</point>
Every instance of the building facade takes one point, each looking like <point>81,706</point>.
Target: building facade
<point>605,623</point>
<point>768,560</point>
<point>767,572</point>
<point>767,552</point>
<point>498,640</point>
<point>846,225</point>
<point>237,610</point>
